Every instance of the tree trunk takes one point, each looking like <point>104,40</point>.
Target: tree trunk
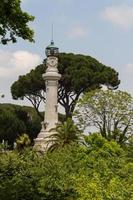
<point>68,112</point>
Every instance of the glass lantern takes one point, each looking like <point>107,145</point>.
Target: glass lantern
<point>52,50</point>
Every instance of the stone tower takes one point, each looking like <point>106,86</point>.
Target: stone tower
<point>51,78</point>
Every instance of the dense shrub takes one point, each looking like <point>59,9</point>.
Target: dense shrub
<point>15,120</point>
<point>98,171</point>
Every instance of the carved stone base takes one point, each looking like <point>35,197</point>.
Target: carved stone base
<point>41,142</point>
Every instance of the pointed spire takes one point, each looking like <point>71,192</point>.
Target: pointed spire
<point>52,40</point>
<point>52,50</point>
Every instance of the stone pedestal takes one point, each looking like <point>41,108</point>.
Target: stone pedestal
<point>51,78</point>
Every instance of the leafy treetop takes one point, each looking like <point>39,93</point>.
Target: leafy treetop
<point>80,74</point>
<point>110,112</point>
<point>14,22</point>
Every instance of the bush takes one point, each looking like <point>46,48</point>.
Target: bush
<point>98,171</point>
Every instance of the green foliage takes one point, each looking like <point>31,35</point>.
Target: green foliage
<point>97,171</point>
<point>15,120</point>
<point>106,175</point>
<point>22,142</point>
<point>14,22</point>
<point>29,176</point>
<point>129,148</point>
<point>10,126</point>
<point>110,112</point>
<point>65,134</point>
<point>79,74</point>
<point>4,146</point>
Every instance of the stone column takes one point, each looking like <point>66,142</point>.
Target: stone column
<point>51,78</point>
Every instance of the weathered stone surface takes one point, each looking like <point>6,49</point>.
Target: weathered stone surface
<point>51,78</point>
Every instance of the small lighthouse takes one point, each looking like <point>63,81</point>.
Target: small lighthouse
<point>51,78</point>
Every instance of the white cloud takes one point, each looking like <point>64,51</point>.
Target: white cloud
<point>13,64</point>
<point>121,15</point>
<point>77,32</point>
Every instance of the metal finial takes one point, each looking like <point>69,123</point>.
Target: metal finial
<point>52,41</point>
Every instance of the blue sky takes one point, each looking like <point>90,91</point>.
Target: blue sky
<point>100,28</point>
